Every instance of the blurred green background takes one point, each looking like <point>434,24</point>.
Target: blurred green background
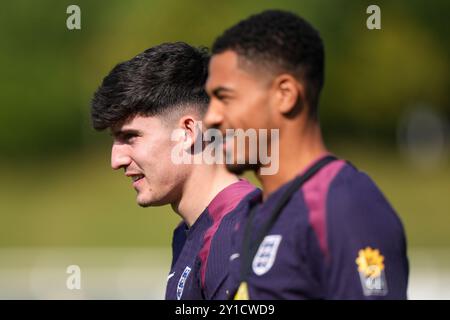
<point>385,107</point>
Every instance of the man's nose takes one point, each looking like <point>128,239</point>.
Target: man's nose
<point>214,116</point>
<point>119,156</point>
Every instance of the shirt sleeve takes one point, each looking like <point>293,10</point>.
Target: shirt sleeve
<point>366,247</point>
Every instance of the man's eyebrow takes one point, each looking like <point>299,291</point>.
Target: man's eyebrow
<point>123,132</point>
<point>217,91</point>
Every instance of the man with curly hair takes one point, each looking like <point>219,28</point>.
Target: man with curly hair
<point>322,229</point>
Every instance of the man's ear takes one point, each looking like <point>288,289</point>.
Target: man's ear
<point>191,130</point>
<point>289,94</point>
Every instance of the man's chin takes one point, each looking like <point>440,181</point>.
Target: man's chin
<point>241,168</point>
<point>145,202</point>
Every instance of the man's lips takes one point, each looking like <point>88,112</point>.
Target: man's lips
<point>135,177</point>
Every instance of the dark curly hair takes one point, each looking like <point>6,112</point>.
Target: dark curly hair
<point>282,41</point>
<point>155,82</point>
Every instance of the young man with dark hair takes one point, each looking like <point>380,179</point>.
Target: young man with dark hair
<point>144,101</point>
<point>321,229</point>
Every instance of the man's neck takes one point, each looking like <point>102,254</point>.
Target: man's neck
<point>204,183</point>
<point>297,150</point>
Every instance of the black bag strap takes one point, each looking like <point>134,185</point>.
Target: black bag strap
<point>250,248</point>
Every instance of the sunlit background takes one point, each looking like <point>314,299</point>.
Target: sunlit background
<point>385,107</point>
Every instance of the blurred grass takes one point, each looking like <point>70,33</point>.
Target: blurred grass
<point>77,200</point>
<point>372,76</point>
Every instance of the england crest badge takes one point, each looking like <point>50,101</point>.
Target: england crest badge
<point>182,282</point>
<point>266,254</point>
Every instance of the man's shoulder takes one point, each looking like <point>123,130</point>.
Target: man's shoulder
<point>230,198</point>
<point>341,180</point>
<point>352,186</point>
<point>217,245</point>
<point>355,200</point>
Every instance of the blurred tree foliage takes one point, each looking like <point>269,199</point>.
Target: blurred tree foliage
<point>49,73</point>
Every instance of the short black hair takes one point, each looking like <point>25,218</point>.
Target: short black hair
<point>283,41</point>
<point>155,82</point>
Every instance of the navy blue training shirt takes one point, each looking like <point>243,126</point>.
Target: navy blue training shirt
<point>201,252</point>
<point>336,238</point>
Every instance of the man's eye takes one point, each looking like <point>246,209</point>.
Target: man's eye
<point>129,137</point>
<point>223,98</point>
